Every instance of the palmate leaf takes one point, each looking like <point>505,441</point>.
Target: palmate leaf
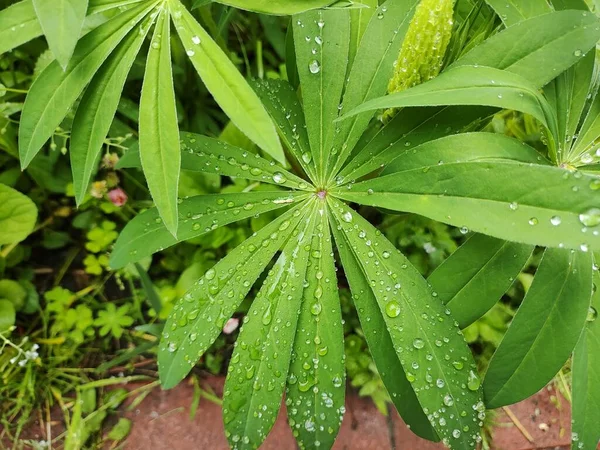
<point>229,89</point>
<point>359,19</point>
<point>370,73</point>
<point>282,104</point>
<point>380,343</point>
<point>545,329</point>
<point>159,132</point>
<point>61,21</point>
<point>474,277</point>
<point>146,233</point>
<point>478,191</point>
<point>97,108</point>
<point>18,24</point>
<point>471,85</point>
<point>96,6</point>
<point>421,330</point>
<point>198,318</point>
<point>205,154</point>
<point>590,128</point>
<point>585,372</point>
<point>316,384</point>
<point>322,40</point>
<point>539,48</point>
<point>54,91</point>
<point>259,366</point>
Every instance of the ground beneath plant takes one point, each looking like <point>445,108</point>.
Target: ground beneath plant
<point>162,421</point>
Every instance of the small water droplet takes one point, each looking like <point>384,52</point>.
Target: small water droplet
<point>418,343</point>
<point>555,220</point>
<point>392,309</point>
<point>590,218</point>
<point>314,66</point>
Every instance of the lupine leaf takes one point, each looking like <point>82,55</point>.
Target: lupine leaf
<point>359,19</point>
<point>321,39</point>
<point>409,128</point>
<point>545,329</point>
<point>159,132</point>
<point>54,91</point>
<point>539,48</point>
<point>422,331</point>
<point>146,234</point>
<point>259,366</point>
<point>479,192</point>
<point>96,6</point>
<point>282,103</point>
<point>229,89</point>
<point>18,24</point>
<point>514,11</point>
<point>61,21</point>
<point>205,154</point>
<point>380,343</point>
<point>590,128</point>
<point>470,85</point>
<point>476,275</point>
<point>316,383</point>
<point>586,376</point>
<point>371,72</point>
<point>198,318</point>
<point>278,7</point>
<point>97,108</point>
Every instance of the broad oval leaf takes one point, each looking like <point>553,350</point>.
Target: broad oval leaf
<point>545,329</point>
<point>316,383</point>
<point>17,215</point>
<point>422,332</point>
<point>539,48</point>
<point>18,24</point>
<point>209,155</point>
<point>282,104</point>
<point>229,89</point>
<point>259,366</point>
<point>371,72</point>
<point>277,7</point>
<point>380,343</point>
<point>146,234</point>
<point>61,21</point>
<point>474,277</point>
<point>482,196</point>
<point>585,372</point>
<point>53,93</point>
<point>97,108</point>
<point>198,318</point>
<point>322,40</point>
<point>159,131</point>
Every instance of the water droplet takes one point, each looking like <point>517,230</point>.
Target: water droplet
<point>196,40</point>
<point>279,178</point>
<point>577,53</point>
<point>190,53</point>
<point>473,381</point>
<point>315,309</point>
<point>392,309</point>
<point>592,314</point>
<point>590,218</point>
<point>448,400</point>
<point>555,220</point>
<point>255,171</point>
<point>314,66</point>
<point>458,365</point>
<point>210,274</point>
<point>514,206</point>
<point>533,221</point>
<point>418,343</point>
<point>347,217</point>
<point>595,185</point>
<point>306,157</point>
<point>385,254</point>
<point>586,158</point>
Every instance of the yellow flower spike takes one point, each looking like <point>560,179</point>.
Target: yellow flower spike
<point>422,54</point>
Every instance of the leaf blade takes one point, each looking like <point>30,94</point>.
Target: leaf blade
<point>18,215</point>
<point>18,24</point>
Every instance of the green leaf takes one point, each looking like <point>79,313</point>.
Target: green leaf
<point>7,315</point>
<point>539,48</point>
<point>380,343</point>
<point>371,72</point>
<point>96,6</point>
<point>474,187</point>
<point>421,330</point>
<point>18,24</point>
<point>316,384</point>
<point>278,7</point>
<point>205,154</point>
<point>471,85</point>
<point>514,11</point>
<point>229,89</point>
<point>590,128</point>
<point>409,128</point>
<point>61,21</point>
<point>545,329</point>
<point>146,234</point>
<point>322,40</point>
<point>198,318</point>
<point>282,104</point>
<point>53,93</point>
<point>12,291</point>
<point>97,108</point>
<point>586,376</point>
<point>149,289</point>
<point>476,276</point>
<point>261,358</point>
<point>17,215</point>
<point>359,19</point>
<point>159,131</point>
